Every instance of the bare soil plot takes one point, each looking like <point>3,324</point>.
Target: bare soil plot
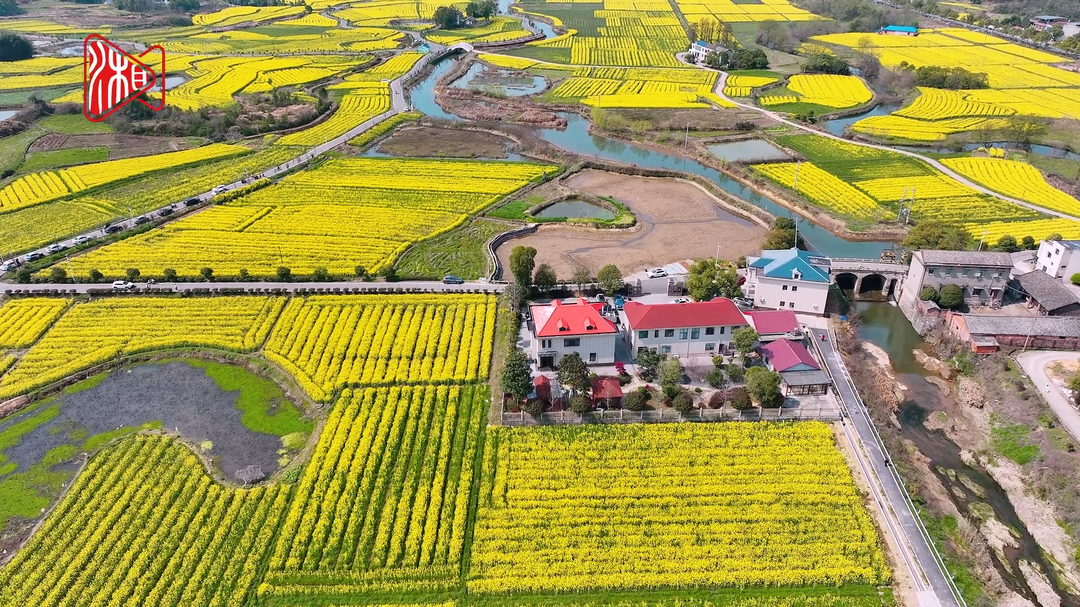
<point>676,221</point>
<point>424,142</point>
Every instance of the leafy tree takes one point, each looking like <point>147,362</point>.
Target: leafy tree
<point>783,223</point>
<point>133,274</point>
<point>207,273</point>
<point>573,373</point>
<point>953,78</point>
<point>671,373</point>
<point>933,234</point>
<point>472,10</point>
<point>516,376</point>
<point>448,17</point>
<point>95,275</point>
<point>184,6</point>
<point>8,8</point>
<point>1056,235</point>
<point>740,399</point>
<point>764,385</point>
<point>779,239</point>
<point>15,48</point>
<point>169,275</point>
<point>823,63</point>
<point>581,278</point>
<point>57,274</point>
<point>950,296</point>
<point>283,273</point>
<point>748,59</point>
<point>1028,242</point>
<point>580,404</point>
<point>361,272</point>
<point>735,373</point>
<point>710,279</point>
<point>545,277</point>
<point>929,294</point>
<point>744,340</point>
<point>243,275</point>
<point>24,275</point>
<point>1008,244</point>
<point>320,274</point>
<point>649,361</point>
<point>636,400</point>
<point>1074,385</point>
<point>610,279</point>
<point>389,273</point>
<point>715,378</point>
<point>522,262</point>
<point>1075,279</point>
<point>717,399</point>
<point>683,402</point>
<point>534,406</point>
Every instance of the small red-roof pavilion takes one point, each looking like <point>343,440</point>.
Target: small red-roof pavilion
<point>606,392</point>
<point>785,355</point>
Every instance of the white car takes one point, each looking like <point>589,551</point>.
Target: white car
<point>56,248</point>
<point>219,190</point>
<point>656,273</point>
<point>682,300</point>
<point>7,265</point>
<point>82,240</point>
<point>122,285</point>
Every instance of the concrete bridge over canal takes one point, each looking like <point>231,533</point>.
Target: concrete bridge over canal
<point>868,276</point>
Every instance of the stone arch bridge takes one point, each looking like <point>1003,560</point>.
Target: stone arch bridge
<point>865,277</point>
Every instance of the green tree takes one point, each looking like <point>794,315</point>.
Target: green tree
<point>636,400</point>
<point>207,273</point>
<point>610,279</point>
<point>671,373</point>
<point>534,406</point>
<point>95,275</point>
<point>580,404</point>
<point>764,386</point>
<point>1028,242</point>
<point>1056,236</point>
<point>683,402</point>
<point>361,271</point>
<point>243,275</point>
<point>735,373</point>
<point>581,278</point>
<point>283,273</point>
<point>8,8</point>
<point>715,378</point>
<point>933,234</point>
<point>1075,279</point>
<point>648,362</point>
<point>448,17</point>
<point>950,296</point>
<point>778,238</point>
<point>710,279</point>
<point>133,274</point>
<point>522,262</point>
<point>15,48</point>
<point>320,274</point>
<point>1008,244</point>
<point>516,377</point>
<point>24,275</point>
<point>545,278</point>
<point>929,294</point>
<point>57,274</point>
<point>169,275</point>
<point>1074,385</point>
<point>744,340</point>
<point>740,399</point>
<point>573,373</point>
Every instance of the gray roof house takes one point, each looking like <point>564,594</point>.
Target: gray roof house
<point>1051,297</point>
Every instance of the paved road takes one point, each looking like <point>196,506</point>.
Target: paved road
<point>290,287</point>
<point>1034,364</point>
<point>932,586</point>
<point>719,90</point>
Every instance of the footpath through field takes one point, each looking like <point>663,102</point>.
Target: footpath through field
<point>719,90</point>
<point>933,586</point>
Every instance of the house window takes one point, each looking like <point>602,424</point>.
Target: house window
<point>643,334</point>
<point>695,333</point>
<point>571,342</point>
<point>1048,253</point>
<point>948,272</point>
<point>710,347</point>
<point>656,333</point>
<point>665,349</point>
<point>710,330</point>
<point>782,304</point>
<point>929,270</point>
<point>592,357</point>
<point>721,330</point>
<point>976,292</point>
<point>965,273</point>
<point>794,288</point>
<point>783,288</point>
<point>682,333</point>
<point>545,343</point>
<point>791,304</point>
<point>669,332</point>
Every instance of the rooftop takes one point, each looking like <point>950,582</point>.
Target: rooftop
<point>1039,326</point>
<point>559,319</point>
<point>786,263</point>
<point>990,259</point>
<point>1070,244</point>
<point>1046,290</point>
<point>606,387</point>
<point>900,28</point>
<point>717,312</point>
<point>805,378</point>
<point>785,355</point>
<point>773,321</point>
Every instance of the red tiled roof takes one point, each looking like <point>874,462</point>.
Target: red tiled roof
<point>785,355</point>
<point>606,387</point>
<point>569,319</point>
<point>773,321</point>
<point>718,312</point>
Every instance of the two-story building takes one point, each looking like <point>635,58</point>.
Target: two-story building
<point>686,329</point>
<point>788,279</point>
<point>561,328</point>
<point>699,50</point>
<point>982,275</point>
<point>1059,258</point>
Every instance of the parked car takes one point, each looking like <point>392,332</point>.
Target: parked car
<point>82,240</point>
<point>36,255</point>
<point>682,300</point>
<point>166,211</point>
<point>10,264</point>
<point>56,248</point>
<point>141,220</point>
<point>618,301</point>
<point>743,302</point>
<point>123,285</point>
<point>656,273</point>
<point>219,190</point>
<point>450,279</point>
<point>113,229</point>
<point>192,202</point>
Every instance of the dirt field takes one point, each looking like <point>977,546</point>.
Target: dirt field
<point>676,221</point>
<point>449,143</point>
<point>120,146</point>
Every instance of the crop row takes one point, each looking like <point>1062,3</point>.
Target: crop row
<point>822,188</point>
<point>938,104</point>
<point>356,108</point>
<point>22,321</point>
<point>830,90</point>
<point>641,507</point>
<point>1015,179</point>
<point>902,127</point>
<point>1038,229</point>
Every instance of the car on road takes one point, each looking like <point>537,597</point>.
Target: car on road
<point>219,190</point>
<point>113,229</point>
<point>656,273</point>
<point>617,302</point>
<point>10,264</point>
<point>192,202</point>
<point>36,255</point>
<point>56,248</point>
<point>82,240</point>
<point>682,300</point>
<point>141,220</point>
<point>123,285</point>
<point>450,279</point>
<point>166,212</point>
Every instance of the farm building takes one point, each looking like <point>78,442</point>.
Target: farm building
<point>561,328</point>
<point>987,334</point>
<point>699,50</point>
<point>606,392</point>
<point>788,279</point>
<point>1059,258</point>
<point>687,329</point>
<point>801,374</point>
<point>899,30</point>
<point>774,324</point>
<point>1045,22</point>
<point>982,275</point>
<point>1048,295</point>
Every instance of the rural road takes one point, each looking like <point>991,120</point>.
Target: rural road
<point>260,287</point>
<point>1034,364</point>
<point>933,587</point>
<point>719,90</point>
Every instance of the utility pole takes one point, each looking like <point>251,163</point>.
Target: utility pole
<point>795,183</point>
<point>686,138</point>
<point>981,240</point>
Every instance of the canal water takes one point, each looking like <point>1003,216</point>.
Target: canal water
<point>574,208</point>
<point>749,150</point>
<point>502,81</point>
<point>885,326</point>
<point>837,126</point>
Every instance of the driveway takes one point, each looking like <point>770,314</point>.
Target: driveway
<point>1034,364</point>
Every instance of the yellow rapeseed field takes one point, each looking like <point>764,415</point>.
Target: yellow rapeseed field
<point>1015,179</point>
